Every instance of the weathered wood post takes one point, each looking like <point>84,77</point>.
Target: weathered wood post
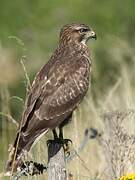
<point>56,162</point>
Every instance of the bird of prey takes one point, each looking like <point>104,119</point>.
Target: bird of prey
<point>57,90</point>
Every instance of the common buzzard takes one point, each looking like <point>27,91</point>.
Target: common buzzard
<point>57,90</point>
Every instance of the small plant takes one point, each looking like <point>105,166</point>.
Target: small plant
<point>118,145</point>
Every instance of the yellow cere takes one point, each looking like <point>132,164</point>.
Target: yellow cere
<point>128,177</point>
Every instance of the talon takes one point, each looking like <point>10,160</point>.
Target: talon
<point>67,154</point>
<point>66,146</point>
<point>64,142</point>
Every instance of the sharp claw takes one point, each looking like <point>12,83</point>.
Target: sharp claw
<point>68,140</point>
<point>67,154</point>
<point>63,142</point>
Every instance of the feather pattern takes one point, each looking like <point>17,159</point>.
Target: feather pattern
<point>56,91</point>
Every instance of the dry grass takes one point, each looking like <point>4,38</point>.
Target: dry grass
<point>118,144</point>
<point>112,155</point>
<point>9,70</point>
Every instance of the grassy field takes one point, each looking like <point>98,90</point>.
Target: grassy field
<point>112,114</point>
<point>28,36</point>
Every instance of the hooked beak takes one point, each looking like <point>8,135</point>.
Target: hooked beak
<point>92,35</point>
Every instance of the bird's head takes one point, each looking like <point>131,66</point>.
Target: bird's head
<point>76,33</point>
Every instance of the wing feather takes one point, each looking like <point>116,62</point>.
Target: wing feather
<point>60,92</point>
<point>65,98</point>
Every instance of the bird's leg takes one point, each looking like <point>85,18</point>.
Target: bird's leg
<point>61,132</point>
<point>59,139</point>
<point>66,121</point>
<point>61,135</point>
<point>55,134</point>
<point>55,140</point>
<point>65,142</point>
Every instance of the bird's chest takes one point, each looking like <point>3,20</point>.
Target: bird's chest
<point>79,80</point>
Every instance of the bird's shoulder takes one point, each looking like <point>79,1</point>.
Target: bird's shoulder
<point>61,63</point>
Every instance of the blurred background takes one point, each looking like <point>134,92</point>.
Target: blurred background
<point>29,32</point>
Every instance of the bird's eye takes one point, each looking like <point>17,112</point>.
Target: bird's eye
<point>82,30</point>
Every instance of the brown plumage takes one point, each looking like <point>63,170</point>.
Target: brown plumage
<point>57,89</point>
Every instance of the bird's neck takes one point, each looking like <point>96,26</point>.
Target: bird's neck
<point>75,47</point>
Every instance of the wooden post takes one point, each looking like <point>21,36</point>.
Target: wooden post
<point>56,162</point>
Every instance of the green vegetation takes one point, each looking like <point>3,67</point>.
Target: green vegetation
<point>29,32</point>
